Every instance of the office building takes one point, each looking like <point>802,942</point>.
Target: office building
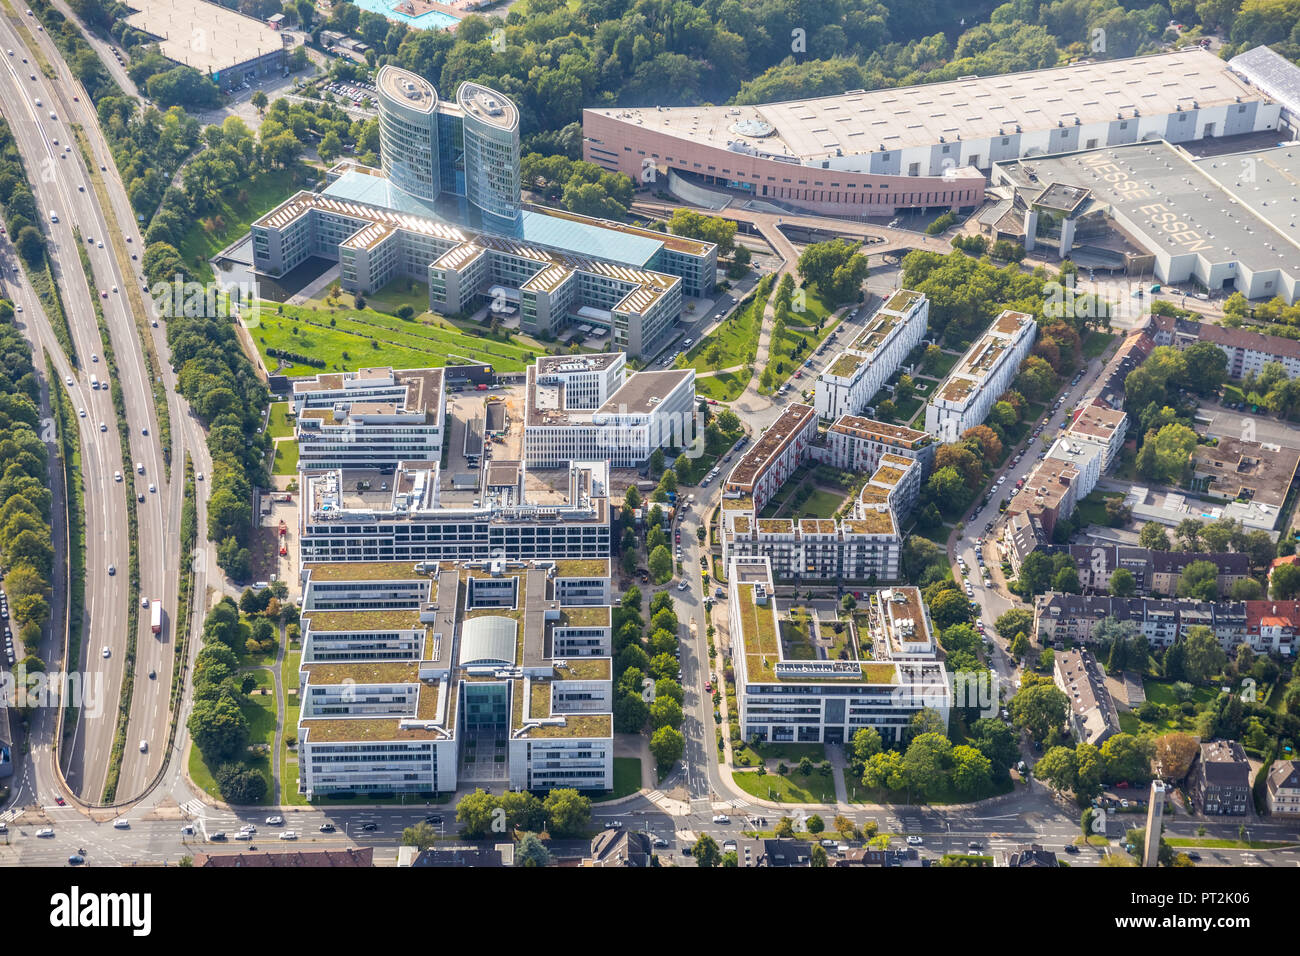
<point>361,515</point>
<point>790,688</point>
<point>370,418</point>
<point>587,407</point>
<point>416,678</point>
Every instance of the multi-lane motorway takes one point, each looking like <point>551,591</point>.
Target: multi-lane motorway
<point>66,186</point>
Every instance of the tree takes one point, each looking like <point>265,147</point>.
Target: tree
<point>706,852</point>
<point>1189,533</point>
<point>950,607</point>
<point>476,814</point>
<point>1284,582</point>
<point>661,564</point>
<point>972,771</point>
<point>665,712</point>
<point>1199,581</point>
<point>784,828</point>
<point>568,813</point>
<point>1127,758</point>
<point>657,462</point>
<point>422,835</point>
<point>1166,454</point>
<point>1067,580</point>
<point>1020,646</point>
<point>1154,536</point>
<point>1014,621</point>
<point>817,859</point>
<point>1203,657</point>
<point>531,851</point>
<point>927,761</point>
<point>866,744</point>
<point>1246,589</point>
<point>218,728</point>
<point>1058,768</point>
<point>1039,708</point>
<point>667,746</point>
<point>815,824</point>
<point>1122,583</point>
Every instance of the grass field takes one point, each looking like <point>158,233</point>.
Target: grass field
<point>736,341</point>
<point>627,779</point>
<point>941,366</point>
<point>723,387</point>
<point>794,787</point>
<point>286,458</point>
<point>1096,343</point>
<point>346,338</point>
<point>1092,509</point>
<point>233,216</point>
<point>279,425</point>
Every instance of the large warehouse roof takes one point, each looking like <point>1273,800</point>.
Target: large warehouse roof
<point>1272,73</point>
<point>862,122</point>
<point>206,36</point>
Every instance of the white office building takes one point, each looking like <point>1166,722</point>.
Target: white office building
<point>886,673</point>
<point>847,385</point>
<point>975,384</point>
<point>588,407</point>
<point>370,418</point>
<point>403,663</point>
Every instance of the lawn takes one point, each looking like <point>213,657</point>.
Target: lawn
<point>1096,343</point>
<point>259,711</point>
<point>627,779</point>
<point>1092,509</point>
<point>286,458</point>
<point>401,292</point>
<point>722,387</point>
<point>821,504</point>
<point>279,425</point>
<point>942,365</point>
<point>233,215</point>
<point>346,338</point>
<point>794,787</point>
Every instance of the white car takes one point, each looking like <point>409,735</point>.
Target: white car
<point>682,586</point>
<point>45,832</point>
<point>243,835</point>
<point>274,820</point>
<point>121,824</point>
<point>106,652</point>
<point>152,489</point>
<point>81,412</point>
<point>144,602</point>
<point>289,835</point>
<point>914,841</point>
<point>103,427</point>
<point>117,476</point>
<point>721,818</point>
<point>199,476</point>
<point>38,102</point>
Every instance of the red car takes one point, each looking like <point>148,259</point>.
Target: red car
<point>283,551</point>
<point>708,687</point>
<point>60,801</point>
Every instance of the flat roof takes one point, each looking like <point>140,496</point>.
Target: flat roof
<point>1217,215</point>
<point>867,428</point>
<point>487,106</point>
<point>409,89</point>
<point>1258,472</point>
<point>861,122</point>
<point>644,390</point>
<point>772,443</point>
<point>229,37</point>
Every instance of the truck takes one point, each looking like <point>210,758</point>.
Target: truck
<point>155,616</point>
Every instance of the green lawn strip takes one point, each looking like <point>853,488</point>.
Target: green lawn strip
<point>233,215</point>
<point>737,337</point>
<point>793,787</point>
<point>1213,843</point>
<point>627,779</point>
<point>941,366</point>
<point>75,499</point>
<point>401,292</point>
<point>184,600</point>
<point>47,290</point>
<point>1096,343</point>
<point>279,425</point>
<point>363,338</point>
<point>286,458</point>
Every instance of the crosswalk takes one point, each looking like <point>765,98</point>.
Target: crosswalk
<point>194,809</point>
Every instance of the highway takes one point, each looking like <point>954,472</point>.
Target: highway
<point>65,185</point>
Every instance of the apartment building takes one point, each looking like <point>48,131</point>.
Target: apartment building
<point>1050,492</point>
<point>792,687</point>
<point>404,663</point>
<point>1098,424</point>
<point>373,417</point>
<point>865,546</point>
<point>1108,388</point>
<point>370,515</point>
<point>1219,782</point>
<point>773,458</point>
<point>847,385</point>
<point>1284,788</point>
<point>1247,351</point>
<point>1268,627</point>
<point>1154,572</point>
<point>587,407</point>
<point>976,383</point>
<point>858,444</point>
<point>1093,717</point>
